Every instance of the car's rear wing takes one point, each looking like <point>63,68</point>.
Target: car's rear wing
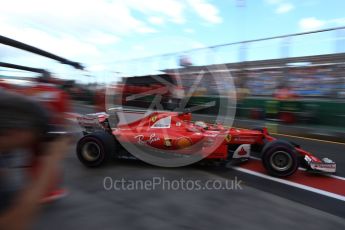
<point>93,122</point>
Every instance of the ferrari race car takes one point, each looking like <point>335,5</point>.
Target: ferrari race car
<point>105,135</point>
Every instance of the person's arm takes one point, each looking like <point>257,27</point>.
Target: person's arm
<point>21,213</point>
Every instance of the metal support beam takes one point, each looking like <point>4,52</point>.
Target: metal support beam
<point>32,49</point>
<point>25,68</point>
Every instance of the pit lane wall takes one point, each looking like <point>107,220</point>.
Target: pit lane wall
<point>297,111</point>
<point>320,119</point>
<point>309,111</point>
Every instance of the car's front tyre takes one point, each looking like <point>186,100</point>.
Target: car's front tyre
<point>280,158</point>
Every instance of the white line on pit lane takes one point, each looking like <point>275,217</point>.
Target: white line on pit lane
<point>293,184</point>
<point>337,177</point>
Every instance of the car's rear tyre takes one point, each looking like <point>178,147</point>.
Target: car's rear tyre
<point>280,158</point>
<point>95,149</point>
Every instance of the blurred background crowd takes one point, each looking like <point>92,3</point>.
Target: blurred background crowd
<point>289,88</point>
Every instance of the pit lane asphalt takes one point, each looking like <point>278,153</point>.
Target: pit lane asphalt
<point>91,206</point>
<point>261,204</point>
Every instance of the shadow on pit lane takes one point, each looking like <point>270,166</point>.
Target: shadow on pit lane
<point>91,179</point>
<point>211,167</point>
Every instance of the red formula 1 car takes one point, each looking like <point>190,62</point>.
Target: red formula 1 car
<point>106,134</point>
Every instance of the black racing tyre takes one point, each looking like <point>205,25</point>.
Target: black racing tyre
<point>280,158</point>
<point>95,149</point>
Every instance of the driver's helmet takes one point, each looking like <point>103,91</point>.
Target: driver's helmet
<point>201,124</point>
